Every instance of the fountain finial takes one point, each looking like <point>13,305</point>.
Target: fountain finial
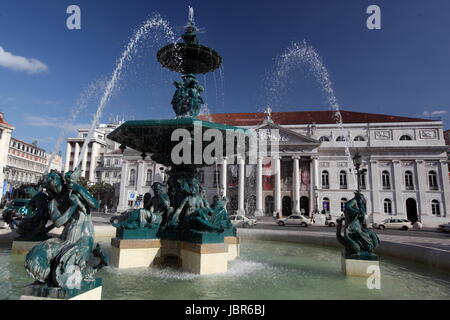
<point>191,15</point>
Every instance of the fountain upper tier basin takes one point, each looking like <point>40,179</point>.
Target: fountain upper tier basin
<point>155,137</point>
<point>189,58</point>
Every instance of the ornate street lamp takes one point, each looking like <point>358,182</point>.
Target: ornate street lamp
<point>357,161</point>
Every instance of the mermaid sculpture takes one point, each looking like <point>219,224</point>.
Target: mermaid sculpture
<point>358,240</point>
<point>63,262</point>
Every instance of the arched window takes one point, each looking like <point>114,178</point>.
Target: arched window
<point>149,177</point>
<point>326,204</point>
<point>341,138</point>
<point>386,180</point>
<point>435,208</point>
<point>363,179</point>
<point>343,202</point>
<point>325,180</point>
<point>343,179</point>
<point>323,138</point>
<point>359,138</point>
<point>405,137</point>
<point>387,206</point>
<point>132,177</point>
<point>409,182</point>
<point>432,180</point>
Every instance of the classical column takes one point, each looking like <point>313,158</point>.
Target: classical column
<point>76,155</point>
<point>68,151</point>
<point>241,187</point>
<point>277,194</point>
<point>296,184</point>
<point>398,177</point>
<point>445,203</point>
<point>84,161</point>
<point>374,189</point>
<point>93,160</point>
<point>259,188</point>
<point>123,182</point>
<point>223,176</point>
<point>140,175</point>
<point>314,182</point>
<point>422,188</point>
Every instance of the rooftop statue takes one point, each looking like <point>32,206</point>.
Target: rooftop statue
<point>64,262</point>
<point>358,240</point>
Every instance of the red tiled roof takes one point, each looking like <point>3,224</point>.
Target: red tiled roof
<point>304,117</point>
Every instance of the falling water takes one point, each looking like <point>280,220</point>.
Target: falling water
<point>156,22</point>
<point>303,53</point>
<point>87,95</point>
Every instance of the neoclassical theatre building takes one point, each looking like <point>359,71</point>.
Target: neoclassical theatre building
<point>404,171</point>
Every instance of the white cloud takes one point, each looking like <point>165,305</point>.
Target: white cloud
<point>434,113</point>
<point>37,121</point>
<point>18,63</point>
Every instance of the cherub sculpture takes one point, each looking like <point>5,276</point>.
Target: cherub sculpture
<point>187,100</point>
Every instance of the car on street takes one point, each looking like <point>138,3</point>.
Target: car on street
<point>444,227</point>
<point>330,221</point>
<point>393,223</point>
<point>295,219</point>
<point>17,207</point>
<point>240,221</point>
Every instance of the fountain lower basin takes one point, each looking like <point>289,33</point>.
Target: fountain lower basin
<point>264,270</point>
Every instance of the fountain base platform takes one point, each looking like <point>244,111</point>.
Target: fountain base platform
<point>198,258</point>
<point>359,267</point>
<point>90,290</point>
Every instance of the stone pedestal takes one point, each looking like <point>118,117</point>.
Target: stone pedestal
<point>359,268</point>
<point>204,258</point>
<point>88,291</point>
<point>22,247</point>
<point>134,253</point>
<point>234,247</point>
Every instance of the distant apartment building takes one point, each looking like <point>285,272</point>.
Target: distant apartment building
<point>97,147</point>
<point>26,163</point>
<point>5,137</point>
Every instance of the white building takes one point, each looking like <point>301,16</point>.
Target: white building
<point>98,146</point>
<point>404,167</point>
<point>26,163</point>
<point>5,137</point>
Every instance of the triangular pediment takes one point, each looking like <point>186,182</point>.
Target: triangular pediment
<point>271,131</point>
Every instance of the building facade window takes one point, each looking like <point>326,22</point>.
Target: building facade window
<point>216,178</point>
<point>387,206</point>
<point>405,137</point>
<point>432,180</point>
<point>107,174</point>
<point>343,179</point>
<point>359,138</point>
<point>363,179</point>
<point>341,138</point>
<point>149,177</point>
<point>386,180</point>
<point>325,180</point>
<point>201,176</point>
<point>323,138</point>
<point>435,208</point>
<point>132,179</point>
<point>409,182</point>
<point>343,202</point>
<point>326,205</point>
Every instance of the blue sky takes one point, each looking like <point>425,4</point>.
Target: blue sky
<point>402,69</point>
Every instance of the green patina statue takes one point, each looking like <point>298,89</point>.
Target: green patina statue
<point>358,240</point>
<point>33,226</point>
<point>187,100</point>
<point>66,262</point>
<point>155,209</point>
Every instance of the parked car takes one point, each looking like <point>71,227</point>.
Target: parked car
<point>393,223</point>
<point>444,227</point>
<point>295,219</point>
<point>17,207</point>
<point>330,221</point>
<point>242,221</point>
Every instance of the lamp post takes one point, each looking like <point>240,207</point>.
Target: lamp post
<point>316,203</point>
<point>357,161</point>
